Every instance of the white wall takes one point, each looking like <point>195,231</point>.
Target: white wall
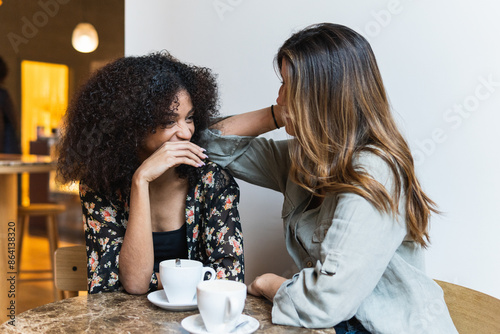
<point>440,63</point>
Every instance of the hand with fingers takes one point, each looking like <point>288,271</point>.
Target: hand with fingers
<point>170,155</point>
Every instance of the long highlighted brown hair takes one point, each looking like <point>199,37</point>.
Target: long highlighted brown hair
<point>338,107</point>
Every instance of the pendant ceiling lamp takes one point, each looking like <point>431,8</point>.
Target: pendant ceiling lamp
<point>85,38</point>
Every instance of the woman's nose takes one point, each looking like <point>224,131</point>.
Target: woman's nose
<point>183,131</point>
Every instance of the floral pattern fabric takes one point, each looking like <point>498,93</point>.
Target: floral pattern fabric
<point>213,227</point>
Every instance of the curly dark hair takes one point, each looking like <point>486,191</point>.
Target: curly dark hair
<point>119,106</point>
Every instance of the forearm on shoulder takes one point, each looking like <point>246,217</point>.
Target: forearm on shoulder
<point>252,123</point>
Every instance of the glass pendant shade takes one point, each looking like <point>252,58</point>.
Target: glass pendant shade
<point>85,38</point>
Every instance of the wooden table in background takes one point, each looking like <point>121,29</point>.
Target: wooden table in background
<point>10,166</point>
<point>119,312</point>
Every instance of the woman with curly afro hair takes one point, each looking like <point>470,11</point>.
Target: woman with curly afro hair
<point>148,191</point>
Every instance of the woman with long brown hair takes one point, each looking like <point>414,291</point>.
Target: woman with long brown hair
<point>355,216</point>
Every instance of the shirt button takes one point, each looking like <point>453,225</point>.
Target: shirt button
<point>309,264</point>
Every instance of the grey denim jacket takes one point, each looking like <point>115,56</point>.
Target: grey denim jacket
<point>353,259</point>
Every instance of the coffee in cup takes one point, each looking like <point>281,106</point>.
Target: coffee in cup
<point>220,303</point>
<point>180,280</point>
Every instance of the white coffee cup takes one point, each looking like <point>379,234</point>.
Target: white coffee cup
<point>220,303</point>
<point>179,282</point>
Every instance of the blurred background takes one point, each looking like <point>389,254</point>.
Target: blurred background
<point>39,41</point>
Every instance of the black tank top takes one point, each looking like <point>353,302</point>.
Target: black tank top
<point>169,245</point>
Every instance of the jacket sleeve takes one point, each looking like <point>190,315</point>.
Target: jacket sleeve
<point>222,239</point>
<point>356,246</point>
<point>252,159</point>
<point>105,224</point>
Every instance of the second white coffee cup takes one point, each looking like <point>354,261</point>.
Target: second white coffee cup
<point>179,282</point>
<point>221,303</point>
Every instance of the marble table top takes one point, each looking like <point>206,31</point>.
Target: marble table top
<point>119,312</point>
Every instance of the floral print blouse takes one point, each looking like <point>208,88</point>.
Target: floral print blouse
<point>213,227</point>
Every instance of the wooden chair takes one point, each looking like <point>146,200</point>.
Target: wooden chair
<point>49,210</point>
<point>71,270</point>
<point>470,310</point>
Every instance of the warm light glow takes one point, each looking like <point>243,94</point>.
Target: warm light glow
<point>85,38</point>
<point>44,92</point>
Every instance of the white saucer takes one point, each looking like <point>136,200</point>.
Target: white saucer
<point>159,299</point>
<point>194,325</point>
